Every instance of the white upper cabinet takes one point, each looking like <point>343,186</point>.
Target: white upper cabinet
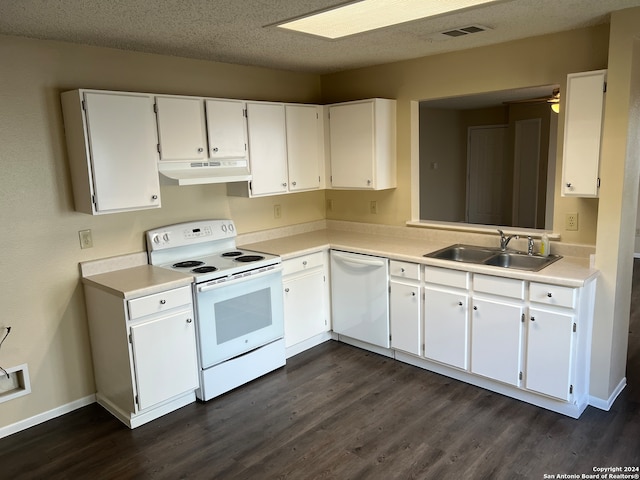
<point>363,144</point>
<point>181,128</point>
<point>584,107</point>
<point>304,146</point>
<point>267,148</point>
<point>226,128</point>
<point>112,145</point>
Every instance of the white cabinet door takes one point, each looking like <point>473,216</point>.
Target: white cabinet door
<point>304,307</point>
<point>404,312</point>
<point>267,148</point>
<point>181,128</point>
<point>226,128</point>
<point>496,339</point>
<point>123,147</point>
<point>362,138</point>
<point>303,147</point>
<point>446,329</point>
<point>549,351</point>
<point>582,133</point>
<point>352,145</point>
<point>164,356</point>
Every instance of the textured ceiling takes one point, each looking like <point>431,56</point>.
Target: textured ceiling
<point>241,31</point>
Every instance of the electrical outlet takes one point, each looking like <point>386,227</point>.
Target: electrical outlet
<point>373,207</point>
<point>277,211</point>
<point>86,240</point>
<point>571,222</point>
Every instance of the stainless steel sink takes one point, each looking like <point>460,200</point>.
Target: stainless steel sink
<point>521,261</point>
<point>464,253</point>
<point>493,257</point>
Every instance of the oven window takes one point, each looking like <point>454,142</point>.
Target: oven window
<point>242,315</point>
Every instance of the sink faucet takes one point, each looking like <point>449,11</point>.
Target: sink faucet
<point>529,245</point>
<point>504,241</point>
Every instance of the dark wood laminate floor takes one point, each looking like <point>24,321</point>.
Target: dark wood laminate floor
<point>338,412</point>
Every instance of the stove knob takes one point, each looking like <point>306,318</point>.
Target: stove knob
<point>165,237</point>
<point>156,239</point>
<point>224,228</point>
<point>231,227</point>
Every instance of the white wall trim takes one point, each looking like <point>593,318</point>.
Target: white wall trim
<point>606,404</point>
<point>44,416</point>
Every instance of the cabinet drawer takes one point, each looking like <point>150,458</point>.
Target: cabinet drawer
<point>302,263</point>
<point>159,302</point>
<point>404,269</point>
<point>445,276</point>
<point>553,295</point>
<point>505,287</point>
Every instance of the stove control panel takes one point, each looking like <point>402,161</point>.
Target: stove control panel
<point>190,233</point>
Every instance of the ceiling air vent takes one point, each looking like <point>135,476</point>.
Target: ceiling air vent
<point>459,32</point>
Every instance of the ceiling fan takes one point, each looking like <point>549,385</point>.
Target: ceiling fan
<point>553,100</point>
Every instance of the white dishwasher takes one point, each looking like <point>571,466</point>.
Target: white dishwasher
<point>360,297</point>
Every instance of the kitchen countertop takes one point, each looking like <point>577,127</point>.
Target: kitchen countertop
<point>568,271</point>
<point>138,281</point>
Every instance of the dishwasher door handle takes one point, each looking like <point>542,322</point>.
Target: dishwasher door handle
<point>365,262</point>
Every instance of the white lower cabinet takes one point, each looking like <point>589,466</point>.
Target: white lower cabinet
<point>405,307</point>
<point>496,339</point>
<point>306,292</point>
<point>144,352</point>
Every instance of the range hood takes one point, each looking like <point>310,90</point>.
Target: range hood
<point>199,173</point>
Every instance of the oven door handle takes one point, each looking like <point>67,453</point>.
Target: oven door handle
<point>213,285</point>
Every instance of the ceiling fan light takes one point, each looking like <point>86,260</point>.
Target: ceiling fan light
<point>555,107</point>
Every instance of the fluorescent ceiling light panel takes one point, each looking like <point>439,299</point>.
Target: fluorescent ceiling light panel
<point>368,15</point>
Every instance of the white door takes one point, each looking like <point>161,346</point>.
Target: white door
<point>525,175</point>
<point>446,330</point>
<point>123,143</point>
<point>404,312</point>
<point>226,129</point>
<point>267,148</point>
<point>164,356</point>
<point>181,128</point>
<point>303,147</point>
<point>496,339</point>
<point>360,297</point>
<point>351,130</point>
<point>549,347</point>
<point>486,174</point>
<point>304,308</point>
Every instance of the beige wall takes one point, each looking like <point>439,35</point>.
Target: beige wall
<point>534,61</point>
<point>40,293</point>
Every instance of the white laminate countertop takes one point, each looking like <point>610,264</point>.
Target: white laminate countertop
<point>568,271</point>
<point>138,281</point>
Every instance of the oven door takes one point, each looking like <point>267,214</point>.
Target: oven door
<point>238,315</point>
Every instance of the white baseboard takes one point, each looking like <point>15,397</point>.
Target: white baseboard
<point>603,404</point>
<point>44,416</point>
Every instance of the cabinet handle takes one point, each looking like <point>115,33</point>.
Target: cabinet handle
<point>286,290</point>
<point>200,150</point>
<point>368,182</point>
<point>533,319</point>
<point>459,304</point>
<point>304,262</point>
<point>549,295</point>
<point>413,294</point>
<point>154,197</point>
<point>284,184</point>
<point>189,320</point>
<point>214,149</point>
<point>569,185</point>
<point>163,301</point>
<point>402,270</point>
<point>475,308</point>
<point>293,183</point>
